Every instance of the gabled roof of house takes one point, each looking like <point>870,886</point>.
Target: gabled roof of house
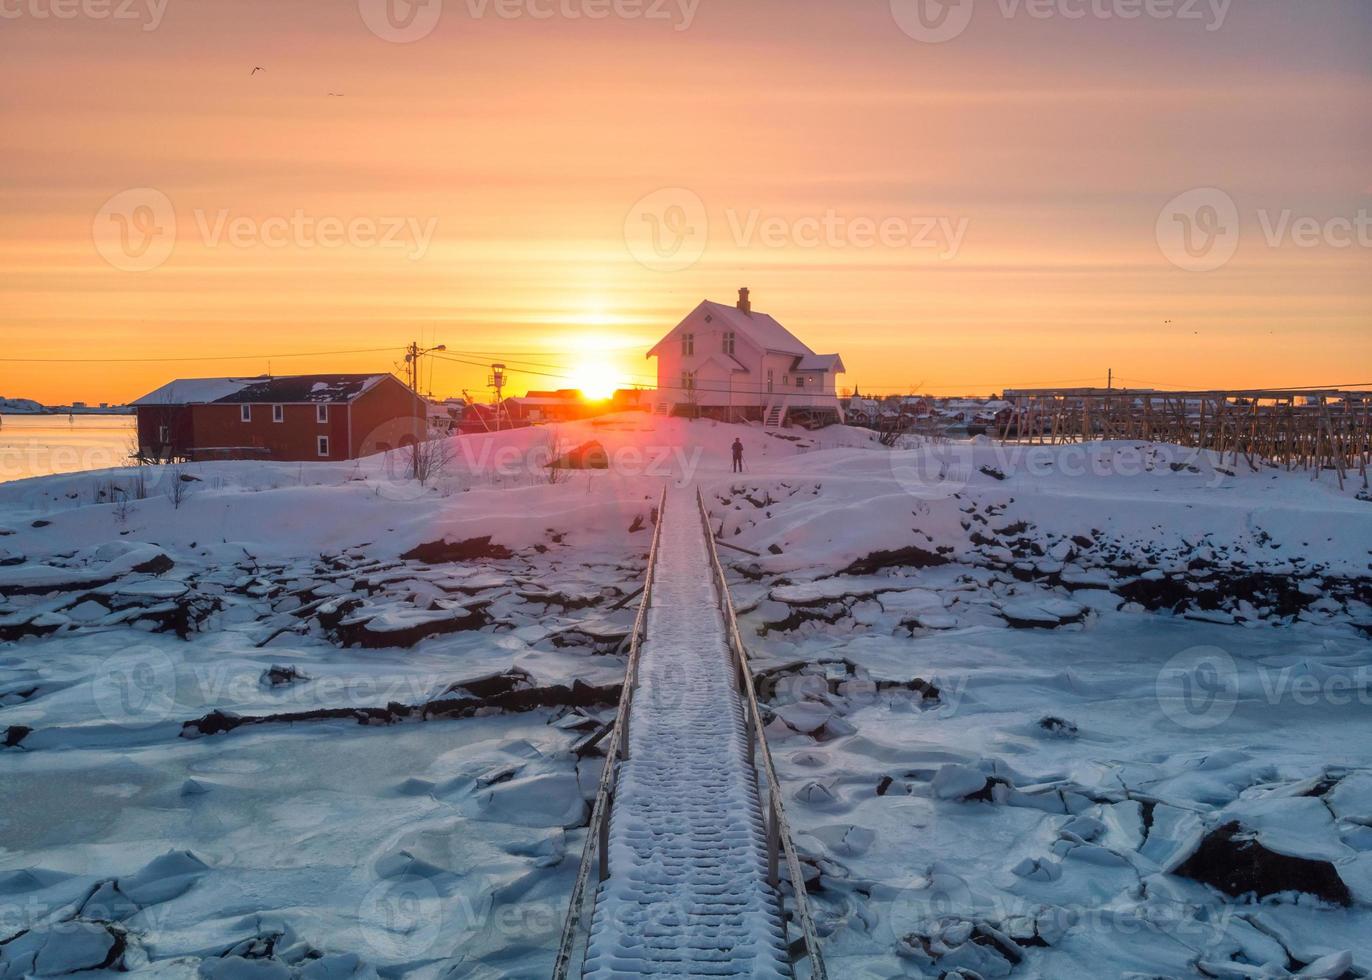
<point>294,389</point>
<point>765,332</point>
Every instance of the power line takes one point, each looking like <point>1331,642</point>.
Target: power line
<point>214,357</point>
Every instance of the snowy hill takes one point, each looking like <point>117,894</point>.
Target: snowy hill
<point>20,406</point>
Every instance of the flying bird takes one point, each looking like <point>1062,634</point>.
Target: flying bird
<point>335,95</point>
<point>256,70</point>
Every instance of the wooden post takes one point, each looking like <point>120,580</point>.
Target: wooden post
<point>773,846</point>
<point>605,834</point>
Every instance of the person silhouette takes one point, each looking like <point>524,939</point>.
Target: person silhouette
<point>738,455</point>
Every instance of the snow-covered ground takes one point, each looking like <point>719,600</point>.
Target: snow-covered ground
<point>1043,712</point>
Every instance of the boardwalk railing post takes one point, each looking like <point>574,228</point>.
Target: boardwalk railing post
<point>604,843</point>
<point>773,846</point>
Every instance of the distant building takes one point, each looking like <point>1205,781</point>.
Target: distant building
<point>304,417</point>
<point>732,363</point>
<point>563,405</point>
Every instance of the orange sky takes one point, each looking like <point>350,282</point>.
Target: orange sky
<point>508,153</point>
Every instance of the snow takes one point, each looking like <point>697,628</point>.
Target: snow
<point>1077,589</point>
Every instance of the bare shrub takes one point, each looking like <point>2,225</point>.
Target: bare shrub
<point>429,460</point>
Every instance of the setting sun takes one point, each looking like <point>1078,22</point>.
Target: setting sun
<point>596,379</point>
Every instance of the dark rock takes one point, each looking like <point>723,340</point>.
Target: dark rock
<point>910,557</point>
<point>279,676</point>
<point>16,734</point>
<point>1231,860</point>
<point>1058,726</point>
<point>506,697</point>
<point>472,549</point>
<point>587,456</point>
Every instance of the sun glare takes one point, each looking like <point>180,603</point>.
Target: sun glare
<point>596,379</point>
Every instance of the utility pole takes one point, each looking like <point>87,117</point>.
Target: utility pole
<point>1110,380</point>
<point>412,355</point>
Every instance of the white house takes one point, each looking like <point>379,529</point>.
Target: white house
<point>733,363</point>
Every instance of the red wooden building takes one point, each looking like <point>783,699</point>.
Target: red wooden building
<point>305,417</point>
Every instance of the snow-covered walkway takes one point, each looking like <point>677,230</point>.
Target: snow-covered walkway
<point>687,893</point>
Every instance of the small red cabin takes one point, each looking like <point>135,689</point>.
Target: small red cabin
<point>304,417</point>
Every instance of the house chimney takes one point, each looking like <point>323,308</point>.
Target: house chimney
<point>744,303</point>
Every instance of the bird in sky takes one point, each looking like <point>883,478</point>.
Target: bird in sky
<point>256,70</point>
<point>335,95</point>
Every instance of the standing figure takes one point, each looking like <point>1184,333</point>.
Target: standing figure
<point>738,455</point>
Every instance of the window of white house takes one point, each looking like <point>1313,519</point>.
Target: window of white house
<point>278,413</point>
<point>323,444</point>
<point>321,413</point>
<point>688,380</point>
<point>163,434</point>
<point>688,345</point>
<point>245,413</point>
<point>800,381</point>
<point>729,343</point>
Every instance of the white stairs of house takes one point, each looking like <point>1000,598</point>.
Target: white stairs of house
<point>774,416</point>
<point>662,408</point>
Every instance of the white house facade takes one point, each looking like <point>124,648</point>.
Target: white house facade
<point>736,364</point>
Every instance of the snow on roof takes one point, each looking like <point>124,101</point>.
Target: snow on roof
<point>294,389</point>
<point>820,362</point>
<point>765,332</point>
<point>193,391</point>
